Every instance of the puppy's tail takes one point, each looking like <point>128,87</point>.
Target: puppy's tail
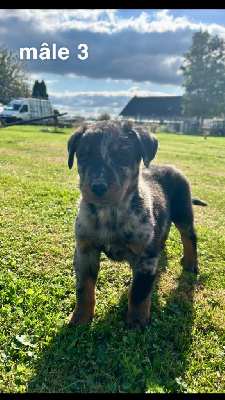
<point>197,202</point>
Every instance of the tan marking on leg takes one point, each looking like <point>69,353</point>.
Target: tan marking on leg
<point>85,309</point>
<point>138,316</point>
<point>188,237</point>
<point>85,243</point>
<point>189,259</point>
<point>137,249</point>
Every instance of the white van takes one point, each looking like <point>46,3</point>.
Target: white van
<point>24,109</point>
<point>1,107</point>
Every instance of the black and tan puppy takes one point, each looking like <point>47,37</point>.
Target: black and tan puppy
<point>126,212</point>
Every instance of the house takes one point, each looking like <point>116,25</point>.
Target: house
<point>160,109</point>
<point>157,108</point>
<point>167,110</point>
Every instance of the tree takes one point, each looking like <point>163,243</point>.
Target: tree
<point>39,90</point>
<point>204,74</point>
<point>103,117</point>
<point>13,76</point>
<point>79,118</point>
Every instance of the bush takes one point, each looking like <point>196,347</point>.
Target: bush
<point>104,117</point>
<point>154,127</point>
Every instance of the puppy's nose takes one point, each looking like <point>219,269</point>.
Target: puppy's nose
<point>99,188</point>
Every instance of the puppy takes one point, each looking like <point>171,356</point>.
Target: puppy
<point>126,212</point>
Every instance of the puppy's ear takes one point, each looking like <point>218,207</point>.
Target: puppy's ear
<point>72,143</point>
<point>148,144</point>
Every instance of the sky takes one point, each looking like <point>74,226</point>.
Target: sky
<point>127,52</point>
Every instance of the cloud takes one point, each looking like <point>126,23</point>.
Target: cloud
<point>108,21</point>
<point>145,46</point>
<point>132,91</point>
<point>153,57</point>
<point>97,102</point>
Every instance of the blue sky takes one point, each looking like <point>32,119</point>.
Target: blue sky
<point>130,52</point>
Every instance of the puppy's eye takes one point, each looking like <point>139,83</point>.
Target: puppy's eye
<point>122,157</point>
<point>83,157</point>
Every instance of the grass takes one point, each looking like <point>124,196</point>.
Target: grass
<point>182,350</point>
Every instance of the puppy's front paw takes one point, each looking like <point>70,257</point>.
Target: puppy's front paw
<point>190,265</point>
<point>133,322</point>
<point>78,317</point>
<point>131,326</point>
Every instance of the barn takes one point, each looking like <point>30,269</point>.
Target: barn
<point>158,108</point>
<point>168,110</point>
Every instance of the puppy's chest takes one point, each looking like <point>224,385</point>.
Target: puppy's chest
<point>116,225</point>
<point>112,225</point>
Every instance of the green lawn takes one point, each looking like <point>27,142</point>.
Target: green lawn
<point>182,350</point>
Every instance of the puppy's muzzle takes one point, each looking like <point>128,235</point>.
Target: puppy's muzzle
<point>99,189</point>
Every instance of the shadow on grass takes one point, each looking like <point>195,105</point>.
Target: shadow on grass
<point>59,132</point>
<point>101,357</point>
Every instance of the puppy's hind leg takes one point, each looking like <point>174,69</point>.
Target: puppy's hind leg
<point>183,217</point>
<point>189,240</point>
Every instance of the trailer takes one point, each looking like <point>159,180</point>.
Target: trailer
<point>53,118</point>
